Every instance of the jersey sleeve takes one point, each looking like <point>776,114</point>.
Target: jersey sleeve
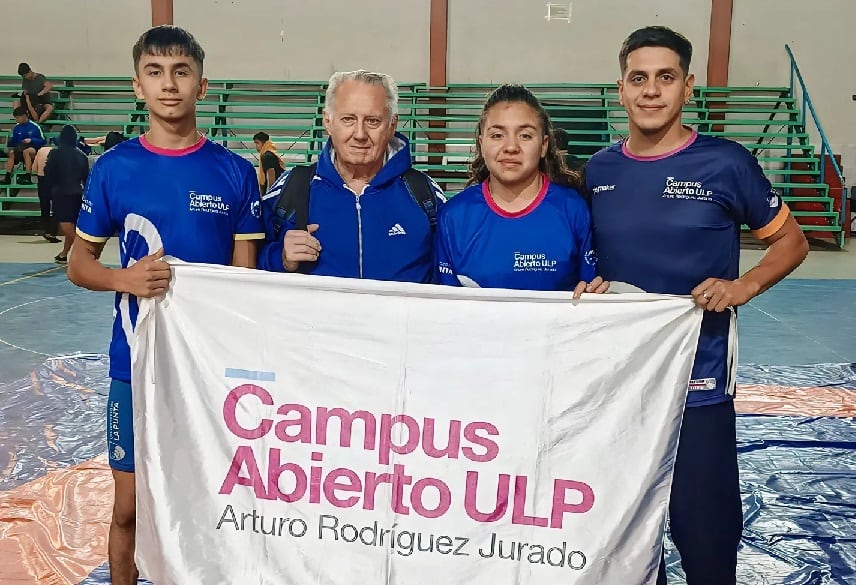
<point>756,203</point>
<point>444,266</point>
<point>270,255</point>
<point>587,260</point>
<point>95,222</point>
<point>248,223</point>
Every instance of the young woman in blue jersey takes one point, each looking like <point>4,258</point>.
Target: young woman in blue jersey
<point>169,191</point>
<point>521,223</point>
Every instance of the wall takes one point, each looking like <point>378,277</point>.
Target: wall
<point>818,34</point>
<point>309,39</point>
<point>508,40</point>
<point>83,37</point>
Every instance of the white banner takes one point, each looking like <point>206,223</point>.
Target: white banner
<point>309,430</point>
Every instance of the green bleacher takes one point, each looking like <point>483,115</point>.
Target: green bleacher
<point>440,124</point>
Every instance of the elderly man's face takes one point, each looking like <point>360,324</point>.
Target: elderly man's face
<point>359,124</point>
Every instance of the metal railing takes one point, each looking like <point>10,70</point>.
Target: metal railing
<point>825,148</point>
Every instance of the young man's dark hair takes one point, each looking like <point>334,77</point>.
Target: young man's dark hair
<point>23,69</point>
<point>657,36</point>
<point>20,111</point>
<point>168,40</point>
<point>261,136</point>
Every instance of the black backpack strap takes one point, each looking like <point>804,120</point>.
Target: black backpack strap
<point>422,191</point>
<point>294,199</point>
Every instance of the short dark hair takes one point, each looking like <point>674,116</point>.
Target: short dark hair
<point>20,111</point>
<point>168,40</point>
<point>657,36</point>
<point>23,69</point>
<point>261,136</point>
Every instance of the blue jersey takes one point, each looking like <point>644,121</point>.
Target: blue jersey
<point>28,129</point>
<point>193,203</point>
<point>667,223</point>
<point>545,246</point>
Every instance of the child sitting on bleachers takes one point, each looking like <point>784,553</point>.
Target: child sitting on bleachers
<point>26,139</point>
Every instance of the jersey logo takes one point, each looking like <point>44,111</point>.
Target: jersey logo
<point>208,203</point>
<point>591,258</point>
<point>534,263</point>
<point>676,189</point>
<point>773,198</point>
<point>601,188</point>
<point>397,230</point>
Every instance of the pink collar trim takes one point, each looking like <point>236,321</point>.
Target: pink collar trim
<point>545,184</point>
<point>684,146</point>
<point>172,151</point>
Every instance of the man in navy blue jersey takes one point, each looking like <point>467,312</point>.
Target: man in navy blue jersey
<point>667,208</point>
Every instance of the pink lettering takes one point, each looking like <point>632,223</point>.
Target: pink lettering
<point>560,506</point>
<point>230,407</point>
<point>275,470</point>
<point>387,446</point>
<point>471,434</point>
<point>244,456</point>
<point>416,497</point>
<point>471,498</point>
<point>303,422</point>
<point>332,483</point>
<point>518,516</point>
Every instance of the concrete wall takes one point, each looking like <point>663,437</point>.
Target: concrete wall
<point>309,39</point>
<point>80,37</point>
<point>819,35</point>
<point>508,40</point>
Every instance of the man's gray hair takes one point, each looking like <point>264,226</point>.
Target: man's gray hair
<point>380,79</point>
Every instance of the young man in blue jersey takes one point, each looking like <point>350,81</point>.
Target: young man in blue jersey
<point>521,223</point>
<point>26,139</point>
<point>667,209</point>
<point>170,191</point>
<point>365,219</point>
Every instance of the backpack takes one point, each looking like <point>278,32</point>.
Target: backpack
<point>294,199</point>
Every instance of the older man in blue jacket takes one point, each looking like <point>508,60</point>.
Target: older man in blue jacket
<point>365,217</point>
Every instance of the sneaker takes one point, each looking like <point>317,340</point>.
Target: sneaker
<point>51,238</point>
<point>60,259</point>
<point>7,180</point>
<point>25,180</point>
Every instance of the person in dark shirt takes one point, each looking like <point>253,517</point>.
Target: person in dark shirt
<point>270,163</point>
<point>35,93</point>
<point>66,171</point>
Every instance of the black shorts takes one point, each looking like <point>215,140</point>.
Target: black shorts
<point>66,208</point>
<point>39,102</point>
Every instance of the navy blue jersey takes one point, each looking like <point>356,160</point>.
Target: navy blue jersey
<point>194,203</point>
<point>667,223</point>
<point>545,246</point>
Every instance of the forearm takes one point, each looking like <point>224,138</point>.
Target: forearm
<point>244,253</point>
<point>85,270</point>
<point>781,258</point>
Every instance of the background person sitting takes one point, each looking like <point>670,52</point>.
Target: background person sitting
<point>35,93</point>
<point>26,139</point>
